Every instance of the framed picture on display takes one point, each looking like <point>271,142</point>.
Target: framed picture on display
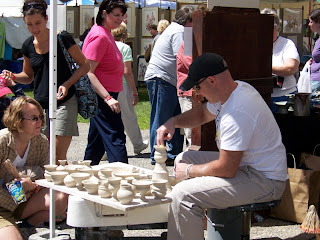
<point>142,68</point>
<point>145,44</point>
<point>149,16</point>
<point>86,15</point>
<point>292,20</point>
<point>164,14</point>
<point>131,20</point>
<point>70,21</point>
<point>188,4</point>
<point>172,14</point>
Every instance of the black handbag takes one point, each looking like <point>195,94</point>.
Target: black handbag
<point>87,97</point>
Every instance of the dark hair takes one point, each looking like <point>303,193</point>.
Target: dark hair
<point>108,6</point>
<point>152,26</point>
<point>183,15</point>
<point>31,7</point>
<point>315,15</point>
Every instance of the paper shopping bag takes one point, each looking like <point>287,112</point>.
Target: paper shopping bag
<point>302,190</point>
<point>311,161</point>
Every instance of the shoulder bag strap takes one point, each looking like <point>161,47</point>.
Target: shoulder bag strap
<point>69,59</point>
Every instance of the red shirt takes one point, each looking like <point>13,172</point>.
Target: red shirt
<point>183,63</point>
<point>99,46</point>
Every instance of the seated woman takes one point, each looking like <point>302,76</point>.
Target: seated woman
<point>23,144</point>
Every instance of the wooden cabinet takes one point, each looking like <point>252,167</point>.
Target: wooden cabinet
<point>244,37</point>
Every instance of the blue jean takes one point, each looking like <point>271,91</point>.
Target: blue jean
<point>106,134</point>
<point>164,105</point>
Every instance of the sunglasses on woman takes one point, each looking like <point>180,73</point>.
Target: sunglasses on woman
<point>34,5</point>
<point>35,119</point>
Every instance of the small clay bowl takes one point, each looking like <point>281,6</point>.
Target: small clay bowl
<point>58,177</point>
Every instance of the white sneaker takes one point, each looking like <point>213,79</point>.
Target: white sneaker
<point>142,147</point>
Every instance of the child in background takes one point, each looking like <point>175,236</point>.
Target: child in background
<point>7,87</point>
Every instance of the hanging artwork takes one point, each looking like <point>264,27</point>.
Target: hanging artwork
<point>131,20</point>
<point>292,20</point>
<point>149,16</point>
<point>142,68</point>
<point>86,15</point>
<point>70,21</point>
<point>145,42</point>
<point>172,14</point>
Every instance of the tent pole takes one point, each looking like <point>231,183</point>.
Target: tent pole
<point>52,104</point>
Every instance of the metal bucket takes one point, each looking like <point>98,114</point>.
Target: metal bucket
<point>302,104</point>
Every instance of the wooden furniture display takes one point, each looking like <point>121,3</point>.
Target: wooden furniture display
<point>244,37</point>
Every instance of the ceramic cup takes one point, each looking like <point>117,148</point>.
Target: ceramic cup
<point>79,177</point>
<point>58,177</point>
<point>91,186</point>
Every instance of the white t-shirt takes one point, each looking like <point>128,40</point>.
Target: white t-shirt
<point>20,162</point>
<point>163,62</point>
<point>283,49</point>
<point>245,123</point>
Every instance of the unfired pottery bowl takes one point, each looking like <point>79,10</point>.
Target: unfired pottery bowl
<point>79,177</point>
<point>50,168</point>
<point>91,186</point>
<point>58,177</point>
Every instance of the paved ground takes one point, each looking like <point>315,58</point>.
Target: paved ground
<point>271,229</point>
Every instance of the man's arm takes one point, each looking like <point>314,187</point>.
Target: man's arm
<point>226,166</point>
<point>189,119</point>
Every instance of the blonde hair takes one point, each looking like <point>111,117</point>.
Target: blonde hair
<point>13,114</point>
<point>162,25</point>
<point>120,33</point>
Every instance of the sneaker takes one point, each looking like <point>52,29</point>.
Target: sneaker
<point>143,147</point>
<point>27,232</point>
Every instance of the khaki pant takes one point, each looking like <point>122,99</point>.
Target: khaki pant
<point>8,218</point>
<point>191,197</point>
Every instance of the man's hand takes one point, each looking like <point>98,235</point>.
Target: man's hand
<point>180,171</point>
<point>165,132</point>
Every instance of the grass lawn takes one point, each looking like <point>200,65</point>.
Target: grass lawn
<point>142,108</point>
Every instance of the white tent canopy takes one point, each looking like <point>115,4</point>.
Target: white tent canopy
<point>16,31</point>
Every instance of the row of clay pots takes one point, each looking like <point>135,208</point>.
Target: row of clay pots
<point>122,186</point>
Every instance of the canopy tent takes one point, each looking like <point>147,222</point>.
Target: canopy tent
<point>142,3</point>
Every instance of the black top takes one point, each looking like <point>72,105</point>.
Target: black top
<point>40,66</point>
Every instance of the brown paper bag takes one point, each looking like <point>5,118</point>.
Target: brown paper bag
<point>311,161</point>
<point>302,190</point>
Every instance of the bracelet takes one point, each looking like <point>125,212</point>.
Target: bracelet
<point>187,170</point>
<point>108,98</point>
<point>135,94</point>
<point>36,190</point>
<point>13,77</point>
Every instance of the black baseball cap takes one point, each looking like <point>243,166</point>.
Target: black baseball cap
<point>208,64</point>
